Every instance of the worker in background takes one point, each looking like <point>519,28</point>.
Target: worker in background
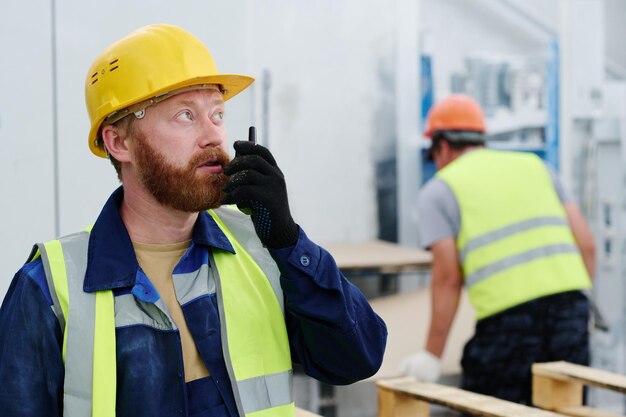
<point>499,223</point>
<point>173,304</point>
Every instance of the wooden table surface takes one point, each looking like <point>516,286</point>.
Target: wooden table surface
<point>379,256</point>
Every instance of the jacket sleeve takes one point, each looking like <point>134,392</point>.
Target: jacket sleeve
<point>333,331</point>
<point>31,366</point>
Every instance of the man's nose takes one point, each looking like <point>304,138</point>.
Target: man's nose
<point>210,134</point>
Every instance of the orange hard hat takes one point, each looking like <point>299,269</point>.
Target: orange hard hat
<point>455,112</point>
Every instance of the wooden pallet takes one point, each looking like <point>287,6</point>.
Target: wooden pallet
<point>407,397</point>
<point>558,386</point>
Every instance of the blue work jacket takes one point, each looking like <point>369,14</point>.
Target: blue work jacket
<point>334,334</point>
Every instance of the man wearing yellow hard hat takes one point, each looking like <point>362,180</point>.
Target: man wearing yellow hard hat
<point>500,224</point>
<point>173,304</point>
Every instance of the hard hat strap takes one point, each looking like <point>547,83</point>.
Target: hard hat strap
<point>459,136</point>
<point>139,109</point>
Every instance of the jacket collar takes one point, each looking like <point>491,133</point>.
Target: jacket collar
<point>111,259</point>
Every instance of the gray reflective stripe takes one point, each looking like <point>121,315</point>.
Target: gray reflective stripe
<point>77,399</point>
<point>266,391</point>
<point>240,225</point>
<point>195,284</point>
<point>56,306</point>
<point>225,351</point>
<point>160,304</point>
<point>130,311</point>
<point>519,259</point>
<point>510,230</point>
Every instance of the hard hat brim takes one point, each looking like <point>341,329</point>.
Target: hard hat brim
<point>233,84</point>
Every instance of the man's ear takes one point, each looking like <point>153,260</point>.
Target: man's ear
<point>444,147</point>
<point>116,143</point>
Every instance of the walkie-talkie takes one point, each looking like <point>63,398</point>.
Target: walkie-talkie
<point>251,138</point>
<point>252,134</point>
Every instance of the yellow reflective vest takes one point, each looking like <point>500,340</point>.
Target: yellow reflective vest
<point>514,243</point>
<point>257,357</point>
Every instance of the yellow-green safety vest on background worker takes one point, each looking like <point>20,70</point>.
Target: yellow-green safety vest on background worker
<point>515,243</point>
<point>257,357</point>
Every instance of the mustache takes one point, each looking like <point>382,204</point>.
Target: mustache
<point>222,157</point>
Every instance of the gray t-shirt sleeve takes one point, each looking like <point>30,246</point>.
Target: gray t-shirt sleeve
<point>438,213</point>
<point>564,196</point>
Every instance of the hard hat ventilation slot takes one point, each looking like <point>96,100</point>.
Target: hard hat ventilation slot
<point>94,78</point>
<point>113,63</point>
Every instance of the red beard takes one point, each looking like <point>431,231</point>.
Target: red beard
<point>182,189</point>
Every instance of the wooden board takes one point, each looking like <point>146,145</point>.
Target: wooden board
<point>571,372</point>
<point>392,404</point>
<point>460,400</point>
<point>379,256</point>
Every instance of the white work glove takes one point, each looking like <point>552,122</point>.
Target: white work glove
<point>422,365</point>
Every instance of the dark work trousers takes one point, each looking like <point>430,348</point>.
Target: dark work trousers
<point>497,360</point>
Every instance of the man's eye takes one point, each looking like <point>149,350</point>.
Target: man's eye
<point>218,116</point>
<point>186,115</point>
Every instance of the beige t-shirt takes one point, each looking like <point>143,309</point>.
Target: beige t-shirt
<point>158,262</point>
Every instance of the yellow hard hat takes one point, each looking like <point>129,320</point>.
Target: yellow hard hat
<point>149,63</point>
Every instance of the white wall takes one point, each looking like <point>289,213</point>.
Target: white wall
<point>325,61</point>
<point>615,19</point>
<point>26,180</point>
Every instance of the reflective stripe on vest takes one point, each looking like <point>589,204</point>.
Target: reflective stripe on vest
<point>89,330</point>
<point>262,378</point>
<point>515,243</point>
<point>250,308</point>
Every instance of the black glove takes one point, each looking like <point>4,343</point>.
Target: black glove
<point>257,184</point>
